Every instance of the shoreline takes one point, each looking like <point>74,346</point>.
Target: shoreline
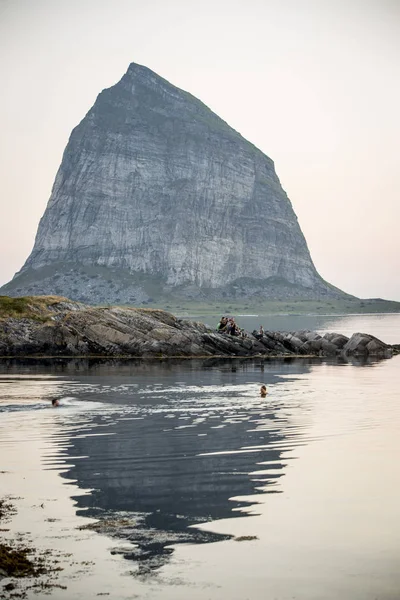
<point>288,314</point>
<point>44,522</point>
<point>49,327</point>
<point>155,358</point>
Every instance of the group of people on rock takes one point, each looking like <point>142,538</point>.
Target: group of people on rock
<point>229,326</point>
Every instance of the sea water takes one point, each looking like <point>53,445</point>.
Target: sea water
<point>202,488</point>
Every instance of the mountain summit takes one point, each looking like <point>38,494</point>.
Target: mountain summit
<point>157,196</point>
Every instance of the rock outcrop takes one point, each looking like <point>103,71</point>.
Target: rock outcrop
<point>59,327</point>
<point>156,195</point>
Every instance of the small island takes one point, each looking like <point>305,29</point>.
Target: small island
<point>43,326</point>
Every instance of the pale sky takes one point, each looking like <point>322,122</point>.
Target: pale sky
<point>315,84</point>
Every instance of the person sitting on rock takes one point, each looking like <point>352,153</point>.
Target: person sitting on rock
<point>238,331</point>
<point>230,327</point>
<point>233,329</point>
<point>222,325</point>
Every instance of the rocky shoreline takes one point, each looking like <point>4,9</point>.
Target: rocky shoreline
<point>55,326</point>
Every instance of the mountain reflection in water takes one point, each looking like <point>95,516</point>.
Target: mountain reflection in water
<point>163,446</point>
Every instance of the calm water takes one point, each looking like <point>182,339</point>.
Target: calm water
<point>385,327</point>
<point>180,459</point>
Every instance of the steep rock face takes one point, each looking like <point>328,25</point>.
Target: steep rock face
<point>155,185</point>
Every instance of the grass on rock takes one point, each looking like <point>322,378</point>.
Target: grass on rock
<point>28,307</point>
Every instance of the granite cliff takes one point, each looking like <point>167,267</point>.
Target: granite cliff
<point>158,196</point>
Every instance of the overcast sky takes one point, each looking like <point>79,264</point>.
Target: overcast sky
<point>315,84</point>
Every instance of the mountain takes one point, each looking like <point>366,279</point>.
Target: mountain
<point>157,197</point>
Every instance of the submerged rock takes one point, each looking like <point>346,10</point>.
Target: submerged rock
<point>51,326</point>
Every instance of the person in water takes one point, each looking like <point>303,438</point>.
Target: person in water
<point>263,391</point>
<point>55,402</point>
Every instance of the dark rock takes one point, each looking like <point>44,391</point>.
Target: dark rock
<point>364,344</point>
<point>53,328</point>
<point>306,335</point>
<point>337,339</point>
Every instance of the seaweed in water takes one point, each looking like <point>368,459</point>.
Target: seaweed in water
<point>21,561</point>
<point>14,562</point>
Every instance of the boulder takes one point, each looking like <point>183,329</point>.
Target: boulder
<point>364,344</point>
<point>337,339</point>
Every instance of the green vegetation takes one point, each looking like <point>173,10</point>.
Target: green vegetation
<point>103,286</point>
<point>28,307</point>
<point>39,307</point>
<point>284,307</point>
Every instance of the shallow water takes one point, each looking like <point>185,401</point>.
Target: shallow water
<point>179,459</point>
<point>386,327</point>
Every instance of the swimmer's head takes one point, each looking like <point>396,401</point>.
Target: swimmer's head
<point>55,402</point>
<point>263,390</point>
